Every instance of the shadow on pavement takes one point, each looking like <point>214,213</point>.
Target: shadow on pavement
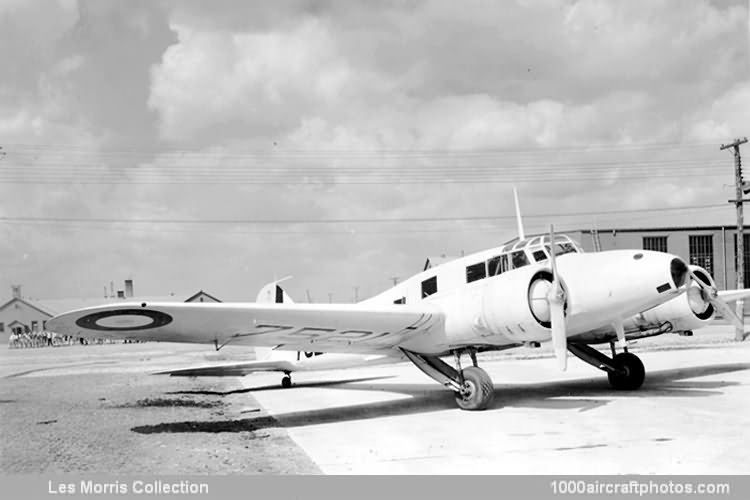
<point>588,394</point>
<point>329,383</point>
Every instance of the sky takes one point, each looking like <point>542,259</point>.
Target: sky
<point>219,145</point>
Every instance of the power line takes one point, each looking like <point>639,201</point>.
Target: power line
<point>341,221</point>
<point>416,151</point>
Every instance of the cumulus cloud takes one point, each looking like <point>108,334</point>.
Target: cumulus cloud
<point>152,98</point>
<point>726,117</point>
<point>260,83</point>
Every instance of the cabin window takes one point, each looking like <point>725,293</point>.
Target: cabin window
<point>476,272</point>
<point>539,255</point>
<point>429,287</point>
<point>402,300</point>
<point>497,265</point>
<point>519,259</point>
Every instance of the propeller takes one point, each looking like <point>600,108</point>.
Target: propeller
<point>711,295</point>
<point>556,299</point>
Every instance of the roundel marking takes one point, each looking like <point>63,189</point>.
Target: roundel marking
<point>124,320</point>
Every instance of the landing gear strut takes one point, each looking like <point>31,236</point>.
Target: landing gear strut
<point>473,387</point>
<point>286,382</point>
<point>624,370</point>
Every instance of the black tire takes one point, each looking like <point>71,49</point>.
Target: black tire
<point>286,382</point>
<point>630,374</point>
<point>479,391</point>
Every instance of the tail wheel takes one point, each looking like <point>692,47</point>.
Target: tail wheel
<point>286,382</point>
<point>630,372</point>
<point>477,392</point>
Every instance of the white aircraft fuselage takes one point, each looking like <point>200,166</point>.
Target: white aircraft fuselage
<point>510,307</point>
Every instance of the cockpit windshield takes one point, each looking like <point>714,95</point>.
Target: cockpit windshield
<point>562,248</point>
<point>540,249</point>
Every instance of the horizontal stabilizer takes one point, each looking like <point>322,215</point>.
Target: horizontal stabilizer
<point>233,370</point>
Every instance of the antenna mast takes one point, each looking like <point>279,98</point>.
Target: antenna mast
<point>521,236</point>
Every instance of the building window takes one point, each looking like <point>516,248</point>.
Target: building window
<point>34,326</point>
<point>655,243</point>
<point>702,252</point>
<point>429,287</point>
<point>44,326</point>
<point>476,272</point>
<point>2,327</point>
<point>746,251</point>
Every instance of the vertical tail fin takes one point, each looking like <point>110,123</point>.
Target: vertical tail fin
<point>519,222</point>
<point>272,293</point>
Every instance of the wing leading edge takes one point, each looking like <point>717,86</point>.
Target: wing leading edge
<point>344,328</point>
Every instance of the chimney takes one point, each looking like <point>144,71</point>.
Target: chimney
<point>16,291</point>
<point>120,294</point>
<point>128,288</point>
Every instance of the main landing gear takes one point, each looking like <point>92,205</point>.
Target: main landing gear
<point>624,370</point>
<point>473,387</point>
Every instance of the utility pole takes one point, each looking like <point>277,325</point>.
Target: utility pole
<point>739,333</point>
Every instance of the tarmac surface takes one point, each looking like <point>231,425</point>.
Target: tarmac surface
<point>99,409</point>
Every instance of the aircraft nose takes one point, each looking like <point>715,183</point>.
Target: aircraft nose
<point>619,283</point>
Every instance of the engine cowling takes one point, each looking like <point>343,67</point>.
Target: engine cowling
<point>685,312</point>
<point>515,304</point>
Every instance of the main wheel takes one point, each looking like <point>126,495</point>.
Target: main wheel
<point>286,382</point>
<point>630,372</point>
<point>478,390</point>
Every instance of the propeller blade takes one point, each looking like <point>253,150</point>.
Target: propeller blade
<point>712,296</point>
<point>725,310</point>
<point>559,338</point>
<point>556,301</point>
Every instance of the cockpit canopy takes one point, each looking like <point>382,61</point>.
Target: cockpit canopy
<point>538,248</point>
<point>524,252</point>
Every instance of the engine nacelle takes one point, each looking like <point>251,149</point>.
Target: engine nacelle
<point>515,305</point>
<point>686,312</point>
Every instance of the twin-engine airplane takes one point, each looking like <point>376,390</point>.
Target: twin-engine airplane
<point>528,291</point>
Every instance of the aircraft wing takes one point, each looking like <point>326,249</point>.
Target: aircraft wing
<point>343,328</point>
<point>732,295</point>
